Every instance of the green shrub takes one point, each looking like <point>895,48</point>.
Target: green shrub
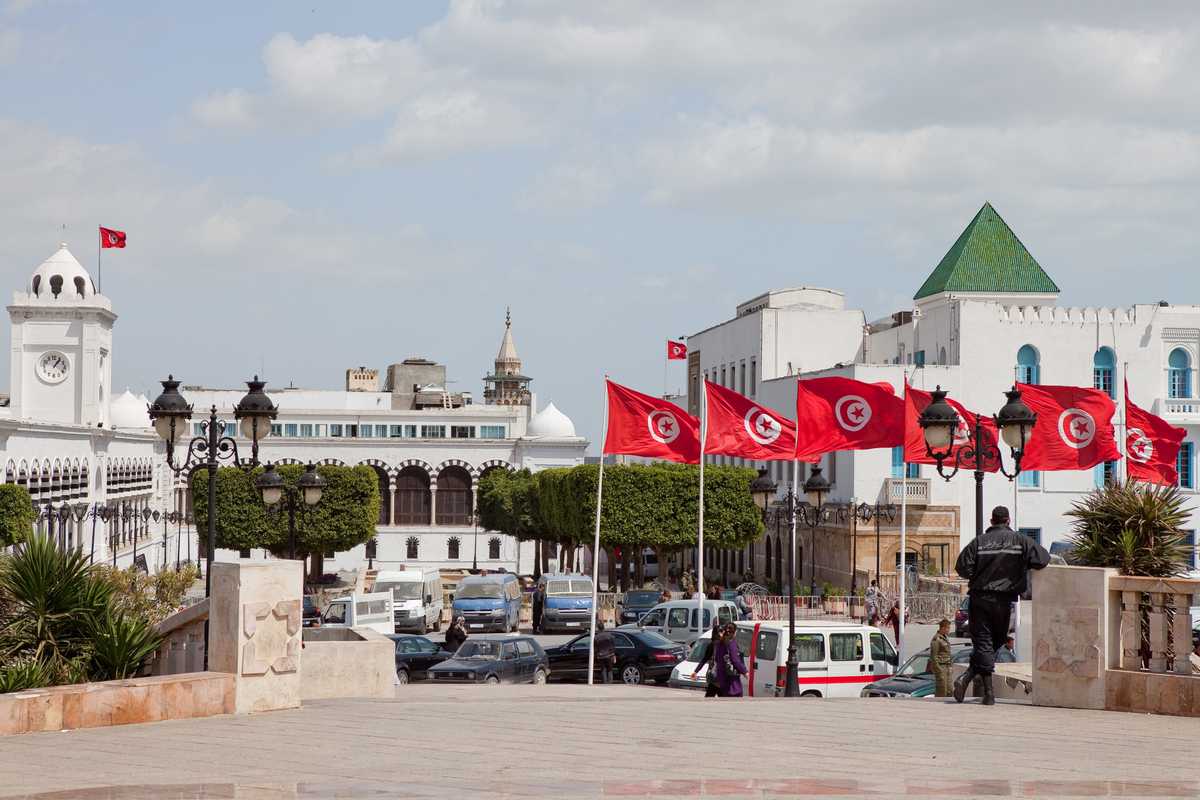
<point>1133,527</point>
<point>16,514</point>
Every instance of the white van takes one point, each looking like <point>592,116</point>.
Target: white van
<point>418,598</point>
<point>677,620</point>
<point>834,659</point>
<point>374,611</point>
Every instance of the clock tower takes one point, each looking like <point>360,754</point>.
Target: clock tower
<point>61,366</point>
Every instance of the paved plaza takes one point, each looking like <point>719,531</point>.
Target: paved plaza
<point>576,742</point>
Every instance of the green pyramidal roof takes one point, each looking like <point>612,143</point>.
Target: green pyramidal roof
<point>987,257</point>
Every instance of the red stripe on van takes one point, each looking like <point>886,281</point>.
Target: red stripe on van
<point>753,656</point>
<point>844,679</point>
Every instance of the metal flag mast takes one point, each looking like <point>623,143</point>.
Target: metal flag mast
<point>903,568</point>
<point>596,543</point>
<point>700,516</point>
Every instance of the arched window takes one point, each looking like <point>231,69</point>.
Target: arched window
<point>412,497</point>
<point>494,548</point>
<point>452,548</point>
<point>1179,373</point>
<point>1028,368</point>
<point>385,517</point>
<point>1103,366</point>
<point>412,546</point>
<point>454,496</point>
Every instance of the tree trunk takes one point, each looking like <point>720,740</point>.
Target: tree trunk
<point>639,568</point>
<point>537,558</point>
<point>624,569</point>
<point>318,565</point>
<point>612,568</point>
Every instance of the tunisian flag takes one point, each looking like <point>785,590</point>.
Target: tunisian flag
<point>915,451</point>
<point>641,425</point>
<point>111,238</point>
<point>1151,445</point>
<point>676,351</point>
<point>737,426</point>
<point>1074,428</point>
<point>845,414</point>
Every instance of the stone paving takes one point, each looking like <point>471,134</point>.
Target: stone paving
<point>576,742</point>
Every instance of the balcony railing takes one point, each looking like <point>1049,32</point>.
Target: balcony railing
<point>917,488</point>
<point>1179,407</point>
<point>1156,626</point>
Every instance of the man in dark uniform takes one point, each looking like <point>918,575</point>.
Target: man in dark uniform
<point>997,565</point>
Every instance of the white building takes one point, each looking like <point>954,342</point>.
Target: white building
<point>65,438</point>
<point>985,317</point>
<point>428,446</point>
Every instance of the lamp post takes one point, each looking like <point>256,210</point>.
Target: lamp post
<point>171,412</point>
<point>868,512</point>
<point>304,495</point>
<point>475,541</point>
<point>943,430</point>
<point>763,487</point>
<point>813,513</point>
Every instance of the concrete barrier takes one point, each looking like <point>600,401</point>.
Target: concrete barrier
<point>347,662</point>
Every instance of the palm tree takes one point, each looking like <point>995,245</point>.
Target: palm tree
<point>1133,527</point>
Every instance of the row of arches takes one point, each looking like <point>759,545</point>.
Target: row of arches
<point>1028,369</point>
<point>412,465</point>
<point>50,480</point>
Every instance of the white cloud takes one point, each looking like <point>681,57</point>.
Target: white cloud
<point>233,109</point>
<point>568,188</point>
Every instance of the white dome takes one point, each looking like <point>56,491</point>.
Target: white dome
<point>129,411</point>
<point>61,277</point>
<point>550,423</point>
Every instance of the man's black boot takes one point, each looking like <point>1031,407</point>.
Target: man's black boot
<point>961,683</point>
<point>989,696</point>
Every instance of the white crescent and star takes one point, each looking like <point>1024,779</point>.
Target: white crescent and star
<point>761,426</point>
<point>852,413</point>
<point>1076,428</point>
<point>663,426</point>
<point>1139,446</point>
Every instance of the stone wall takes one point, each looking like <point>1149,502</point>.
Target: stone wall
<point>97,705</point>
<point>347,662</point>
<point>1073,624</point>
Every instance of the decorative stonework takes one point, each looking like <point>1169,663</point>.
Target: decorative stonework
<point>1074,644</point>
<point>272,642</point>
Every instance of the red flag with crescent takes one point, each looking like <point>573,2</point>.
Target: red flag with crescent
<point>1151,445</point>
<point>676,351</point>
<point>845,414</point>
<point>915,451</point>
<point>111,238</point>
<point>641,425</point>
<point>735,425</point>
<point>1074,428</point>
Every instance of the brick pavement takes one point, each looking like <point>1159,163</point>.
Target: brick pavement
<point>569,741</point>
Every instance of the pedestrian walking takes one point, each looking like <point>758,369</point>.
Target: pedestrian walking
<point>729,664</point>
<point>743,605</point>
<point>711,687</point>
<point>456,634</point>
<point>893,619</point>
<point>606,654</point>
<point>940,660</point>
<point>874,602</point>
<point>539,604</point>
<point>997,567</point>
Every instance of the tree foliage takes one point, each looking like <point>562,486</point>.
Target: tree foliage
<point>1133,527</point>
<point>16,514</point>
<point>648,505</point>
<point>345,517</point>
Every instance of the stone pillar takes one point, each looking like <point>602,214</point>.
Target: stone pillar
<point>391,501</point>
<point>254,631</point>
<point>1074,623</point>
<point>433,504</point>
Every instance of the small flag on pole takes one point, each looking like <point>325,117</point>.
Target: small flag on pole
<point>676,351</point>
<point>111,238</point>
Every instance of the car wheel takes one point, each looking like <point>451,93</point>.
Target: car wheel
<point>423,628</point>
<point>539,676</point>
<point>492,679</point>
<point>516,626</point>
<point>812,693</point>
<point>437,623</point>
<point>631,674</point>
<point>402,676</point>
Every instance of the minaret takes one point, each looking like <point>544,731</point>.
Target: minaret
<point>506,386</point>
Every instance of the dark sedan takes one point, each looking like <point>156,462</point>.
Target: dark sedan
<point>509,659</point>
<point>312,612</point>
<point>962,619</point>
<point>641,656</point>
<point>914,678</point>
<point>415,655</point>
<point>635,604</point>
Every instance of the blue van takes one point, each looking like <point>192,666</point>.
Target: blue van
<point>489,602</point>
<point>568,602</point>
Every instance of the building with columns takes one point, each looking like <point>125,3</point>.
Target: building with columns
<point>66,439</point>
<point>428,446</point>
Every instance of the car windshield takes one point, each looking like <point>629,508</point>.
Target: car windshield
<point>699,651</point>
<point>641,598</point>
<point>916,666</point>
<point>409,590</point>
<point>479,591</point>
<point>571,587</point>
<point>480,649</point>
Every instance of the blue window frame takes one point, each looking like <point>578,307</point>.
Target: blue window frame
<point>491,431</point>
<point>1179,373</point>
<point>1028,365</point>
<point>1184,464</point>
<point>291,429</point>
<point>1103,366</point>
<point>335,430</point>
<point>365,432</point>
<point>397,431</point>
<point>1032,533</point>
<point>1105,473</point>
<point>1029,479</point>
<point>1189,542</point>
<point>914,470</point>
<point>919,358</point>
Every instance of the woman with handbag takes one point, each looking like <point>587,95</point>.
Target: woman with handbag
<point>729,664</point>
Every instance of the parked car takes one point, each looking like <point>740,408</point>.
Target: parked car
<point>641,656</point>
<point>415,655</point>
<point>634,605</point>
<point>417,596</point>
<point>962,619</point>
<point>312,611</point>
<point>489,602</point>
<point>677,619</point>
<point>373,610</point>
<point>568,602</point>
<point>915,677</point>
<point>834,658</point>
<point>509,659</point>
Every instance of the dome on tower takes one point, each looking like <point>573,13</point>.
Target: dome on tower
<point>129,412</point>
<point>61,277</point>
<point>550,423</point>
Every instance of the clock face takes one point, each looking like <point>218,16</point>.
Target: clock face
<point>53,367</point>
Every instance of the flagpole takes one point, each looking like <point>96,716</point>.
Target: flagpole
<point>99,272</point>
<point>903,532</point>
<point>1123,428</point>
<point>666,367</point>
<point>596,542</point>
<point>700,516</point>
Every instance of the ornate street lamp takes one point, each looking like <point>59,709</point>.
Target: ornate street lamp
<point>942,426</point>
<point>763,490</point>
<point>170,413</point>
<point>304,495</point>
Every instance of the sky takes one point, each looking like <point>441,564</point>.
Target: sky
<point>308,187</point>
